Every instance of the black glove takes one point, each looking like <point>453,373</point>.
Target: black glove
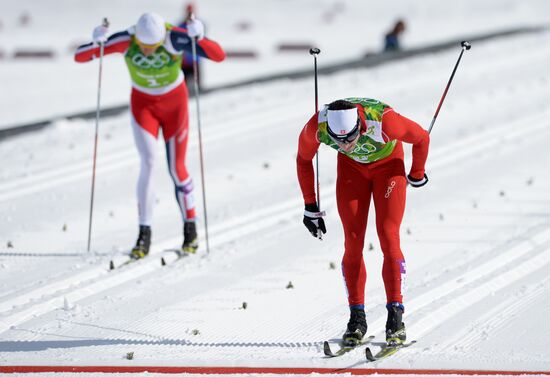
<point>313,220</point>
<point>417,182</point>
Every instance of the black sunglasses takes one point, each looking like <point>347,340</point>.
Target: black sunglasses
<point>347,138</point>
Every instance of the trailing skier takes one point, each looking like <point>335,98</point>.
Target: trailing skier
<point>153,52</point>
<point>368,136</point>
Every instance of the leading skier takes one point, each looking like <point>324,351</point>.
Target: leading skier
<point>153,51</point>
<point>368,136</point>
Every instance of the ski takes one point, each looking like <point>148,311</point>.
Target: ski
<point>386,351</point>
<point>172,255</point>
<point>125,263</point>
<point>121,261</point>
<point>344,349</point>
<point>168,256</point>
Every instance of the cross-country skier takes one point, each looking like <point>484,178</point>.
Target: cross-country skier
<point>368,135</point>
<point>153,51</point>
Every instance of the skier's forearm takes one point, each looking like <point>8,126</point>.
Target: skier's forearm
<point>206,48</point>
<point>306,178</point>
<point>307,147</point>
<point>398,127</point>
<point>419,157</point>
<point>116,43</point>
<point>210,49</point>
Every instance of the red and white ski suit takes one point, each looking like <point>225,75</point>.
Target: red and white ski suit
<point>158,105</point>
<point>385,182</point>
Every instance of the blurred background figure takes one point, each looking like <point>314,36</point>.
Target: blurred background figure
<point>25,19</point>
<point>187,63</point>
<point>391,40</point>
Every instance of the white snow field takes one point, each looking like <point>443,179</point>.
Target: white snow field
<point>38,89</point>
<point>476,238</point>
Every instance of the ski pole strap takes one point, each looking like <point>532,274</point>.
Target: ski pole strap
<point>314,215</point>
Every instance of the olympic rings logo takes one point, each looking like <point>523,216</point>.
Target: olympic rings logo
<point>156,60</point>
<point>368,148</point>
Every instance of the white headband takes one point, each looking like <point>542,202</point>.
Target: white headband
<point>342,122</point>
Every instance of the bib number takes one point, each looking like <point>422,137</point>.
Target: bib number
<point>153,82</point>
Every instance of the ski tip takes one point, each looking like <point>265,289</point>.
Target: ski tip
<point>327,350</point>
<point>368,354</point>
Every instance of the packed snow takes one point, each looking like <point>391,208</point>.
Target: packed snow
<point>476,238</point>
<point>39,89</point>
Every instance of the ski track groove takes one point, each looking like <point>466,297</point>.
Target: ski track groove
<point>83,284</point>
<point>116,161</point>
<point>117,151</point>
<point>124,157</point>
<point>294,329</point>
<point>225,231</point>
<point>471,297</point>
<point>515,271</point>
<point>219,299</point>
<point>497,317</point>
<point>52,288</point>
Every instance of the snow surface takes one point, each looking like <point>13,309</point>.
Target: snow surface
<point>35,90</point>
<point>476,238</point>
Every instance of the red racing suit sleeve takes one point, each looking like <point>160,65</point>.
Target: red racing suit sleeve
<point>308,144</point>
<point>118,42</point>
<point>206,48</point>
<point>398,127</point>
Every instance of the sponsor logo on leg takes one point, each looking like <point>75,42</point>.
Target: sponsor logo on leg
<point>389,189</point>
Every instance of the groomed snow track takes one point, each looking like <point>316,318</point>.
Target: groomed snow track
<point>51,296</point>
<point>469,282</point>
<point>367,61</point>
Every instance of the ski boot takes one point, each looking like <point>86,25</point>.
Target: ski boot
<point>395,328</point>
<point>357,328</point>
<point>143,243</point>
<point>190,239</point>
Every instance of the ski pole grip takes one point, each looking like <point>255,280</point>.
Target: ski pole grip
<point>466,45</point>
<point>314,51</point>
<point>105,22</point>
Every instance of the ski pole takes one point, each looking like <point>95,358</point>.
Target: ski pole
<point>101,51</point>
<point>196,86</point>
<point>465,46</point>
<point>314,52</point>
